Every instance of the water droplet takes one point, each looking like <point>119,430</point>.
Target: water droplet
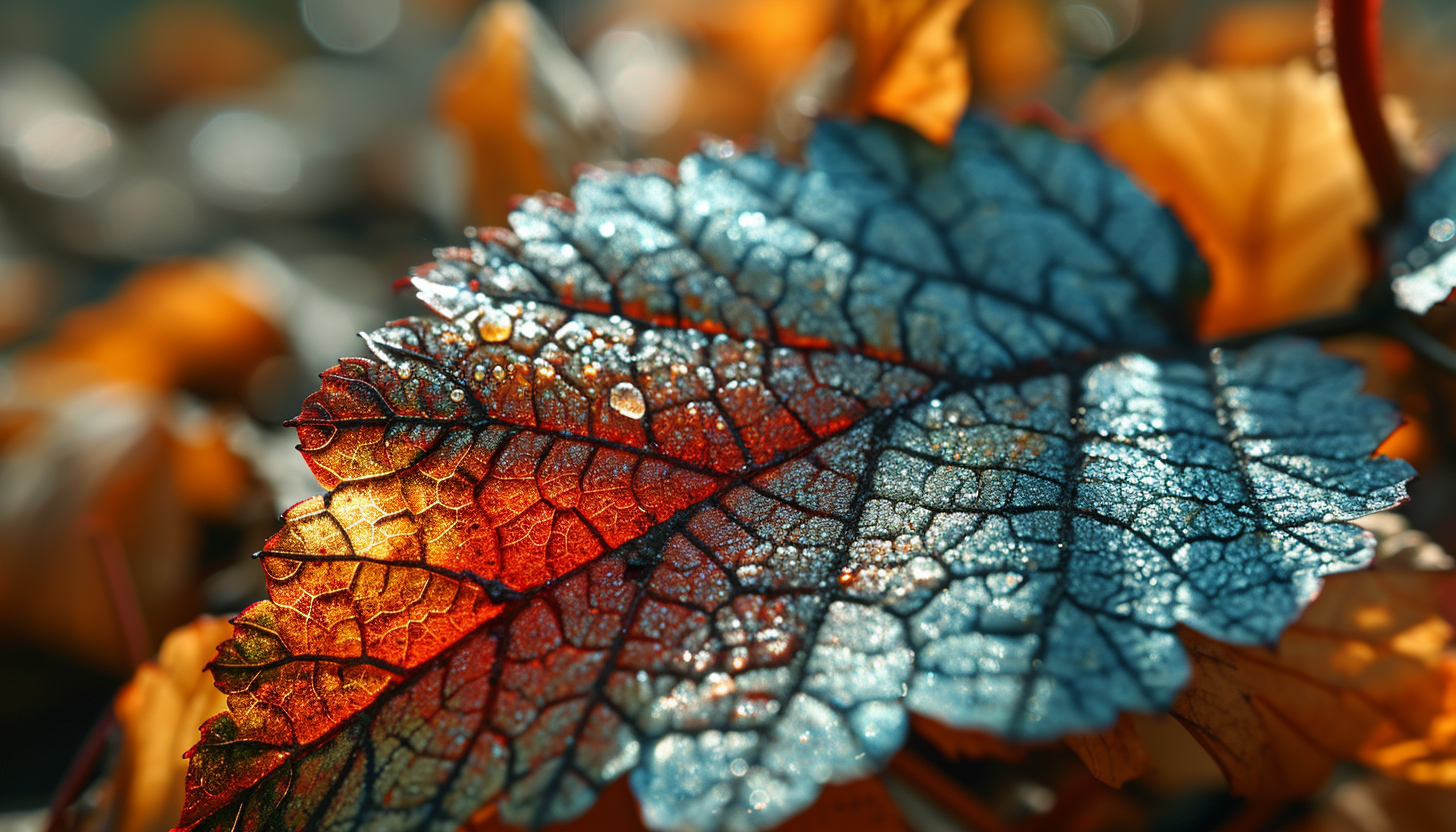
<point>627,400</point>
<point>498,372</point>
<point>479,372</point>
<point>404,371</point>
<point>457,395</point>
<point>608,229</point>
<point>545,370</point>
<point>589,371</point>
<point>1328,518</point>
<point>1443,229</point>
<point>494,324</point>
<point>739,767</point>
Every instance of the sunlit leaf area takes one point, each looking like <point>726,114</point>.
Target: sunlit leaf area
<point>727,415</point>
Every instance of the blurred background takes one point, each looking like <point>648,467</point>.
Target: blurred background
<point>202,201</point>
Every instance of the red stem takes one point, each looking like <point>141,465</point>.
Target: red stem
<point>124,600</point>
<point>1356,25</point>
<point>80,770</point>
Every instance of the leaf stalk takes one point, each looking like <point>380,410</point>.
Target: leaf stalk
<point>1356,25</point>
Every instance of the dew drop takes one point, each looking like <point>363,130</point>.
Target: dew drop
<point>1328,518</point>
<point>404,371</point>
<point>739,767</point>
<point>545,370</point>
<point>1442,230</point>
<point>608,229</point>
<point>457,395</point>
<point>627,400</point>
<point>479,373</point>
<point>498,372</point>
<point>494,324</point>
<point>589,371</point>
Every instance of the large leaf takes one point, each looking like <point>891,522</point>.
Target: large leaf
<point>713,478</point>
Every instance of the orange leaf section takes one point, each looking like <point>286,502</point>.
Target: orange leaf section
<point>1114,756</point>
<point>483,92</point>
<point>910,63</point>
<point>159,711</point>
<point>1260,166</point>
<point>1362,675</point>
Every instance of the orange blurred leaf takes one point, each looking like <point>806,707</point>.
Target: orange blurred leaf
<point>92,434</point>
<point>1362,675</point>
<point>182,50</point>
<point>1114,756</point>
<point>1011,48</point>
<point>523,107</point>
<point>910,63</point>
<point>1260,166</point>
<point>159,711</point>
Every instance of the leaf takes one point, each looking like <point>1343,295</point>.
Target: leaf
<point>1114,756</point>
<point>158,711</point>
<point>522,104</point>
<point>910,63</point>
<point>1423,272</point>
<point>1362,675</point>
<point>717,476</point>
<point>1261,167</point>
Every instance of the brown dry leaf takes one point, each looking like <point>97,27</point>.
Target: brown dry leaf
<point>965,744</point>
<point>1114,756</point>
<point>910,63</point>
<point>98,451</point>
<point>1362,675</point>
<point>159,711</point>
<point>860,805</point>
<point>522,106</point>
<point>1260,166</point>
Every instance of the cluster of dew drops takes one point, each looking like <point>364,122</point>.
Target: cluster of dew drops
<point>495,325</point>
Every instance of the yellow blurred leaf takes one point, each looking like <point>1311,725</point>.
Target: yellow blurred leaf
<point>1362,675</point>
<point>910,63</point>
<point>159,711</point>
<point>1260,166</point>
